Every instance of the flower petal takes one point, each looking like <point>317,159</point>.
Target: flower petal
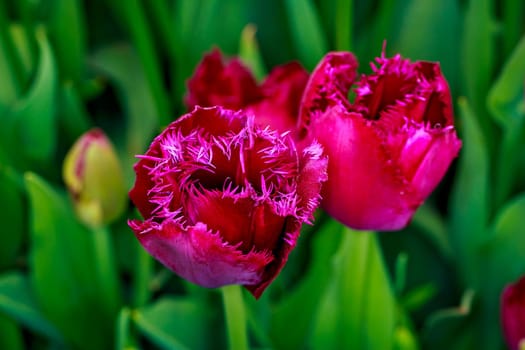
<point>513,313</point>
<point>364,190</point>
<point>200,255</point>
<point>328,84</point>
<point>389,148</point>
<point>282,91</point>
<point>312,175</point>
<point>216,83</point>
<point>143,184</point>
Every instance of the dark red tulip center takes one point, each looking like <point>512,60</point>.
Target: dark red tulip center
<point>387,90</point>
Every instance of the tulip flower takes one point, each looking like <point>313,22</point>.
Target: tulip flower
<point>94,178</point>
<point>223,199</point>
<point>231,85</point>
<point>390,147</point>
<point>513,314</point>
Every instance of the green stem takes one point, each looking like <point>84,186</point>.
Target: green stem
<point>106,268</point>
<point>343,25</point>
<point>142,278</point>
<point>235,317</point>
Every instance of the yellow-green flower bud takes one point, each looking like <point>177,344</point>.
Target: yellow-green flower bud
<point>94,178</point>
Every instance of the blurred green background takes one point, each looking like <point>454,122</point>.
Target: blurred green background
<point>69,65</point>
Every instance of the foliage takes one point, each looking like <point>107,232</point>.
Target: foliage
<point>68,65</point>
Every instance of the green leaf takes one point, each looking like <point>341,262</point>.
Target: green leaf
<point>512,21</point>
<point>307,33</point>
<point>73,117</point>
<point>62,269</point>
<point>418,296</point>
<point>117,62</point>
<point>507,104</point>
<point>360,306</point>
<point>12,215</point>
<point>449,329</point>
<point>124,338</point>
<point>429,31</point>
<point>505,99</point>
<point>469,203</point>
<point>299,306</point>
<point>34,115</point>
<point>17,301</point>
<point>506,247</point>
<point>404,339</point>
<point>199,28</point>
<point>68,34</point>
<point>10,334</point>
<point>10,63</point>
<point>433,227</point>
<point>172,323</point>
<point>249,52</point>
<point>343,24</point>
<point>478,59</point>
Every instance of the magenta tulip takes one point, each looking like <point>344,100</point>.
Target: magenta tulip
<point>223,199</point>
<point>231,85</point>
<point>390,147</point>
<point>513,314</point>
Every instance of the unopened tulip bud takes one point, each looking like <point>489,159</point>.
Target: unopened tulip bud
<point>93,176</point>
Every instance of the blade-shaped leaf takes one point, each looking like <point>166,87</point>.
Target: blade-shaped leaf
<point>12,215</point>
<point>10,334</point>
<point>17,301</point>
<point>506,248</point>
<point>68,34</point>
<point>505,99</point>
<point>469,206</point>
<point>34,115</point>
<point>174,323</point>
<point>249,52</point>
<point>450,328</point>
<point>429,31</point>
<point>62,269</point>
<point>361,305</point>
<point>299,306</point>
<point>305,27</point>
<point>137,100</point>
<point>478,57</point>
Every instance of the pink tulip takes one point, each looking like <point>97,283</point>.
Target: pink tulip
<point>223,199</point>
<point>231,85</point>
<point>513,314</point>
<point>390,147</point>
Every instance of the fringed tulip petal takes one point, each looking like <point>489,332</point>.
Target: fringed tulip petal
<point>390,147</point>
<point>223,199</point>
<point>274,103</point>
<point>200,255</point>
<point>216,83</point>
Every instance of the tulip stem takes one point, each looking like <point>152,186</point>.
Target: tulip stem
<point>235,317</point>
<point>106,268</point>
